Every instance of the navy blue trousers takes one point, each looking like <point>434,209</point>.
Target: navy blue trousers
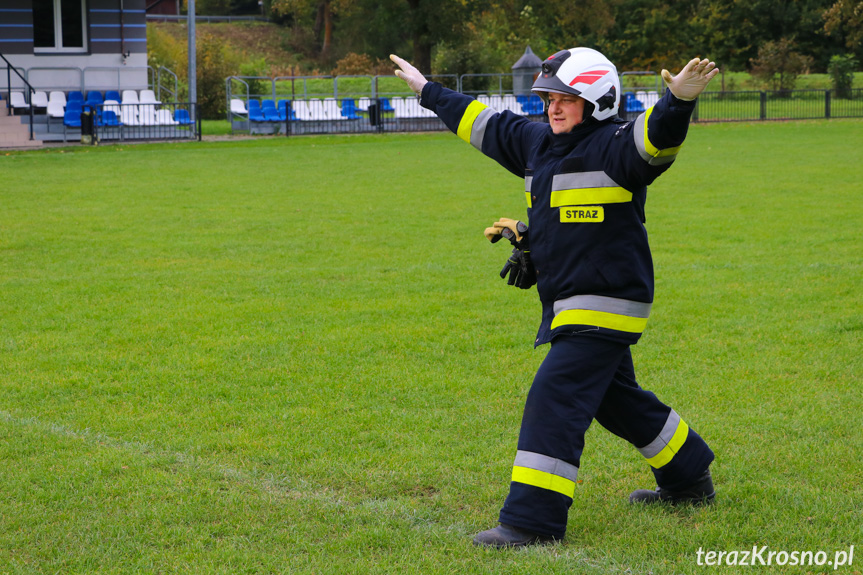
<point>581,379</point>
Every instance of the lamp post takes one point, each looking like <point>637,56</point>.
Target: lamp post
<point>193,71</point>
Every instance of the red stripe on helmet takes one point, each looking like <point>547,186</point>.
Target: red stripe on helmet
<point>589,77</point>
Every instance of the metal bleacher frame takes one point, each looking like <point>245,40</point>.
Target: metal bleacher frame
<point>348,104</point>
<point>168,119</point>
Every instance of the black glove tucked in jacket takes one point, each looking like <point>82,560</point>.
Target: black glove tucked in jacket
<point>518,267</point>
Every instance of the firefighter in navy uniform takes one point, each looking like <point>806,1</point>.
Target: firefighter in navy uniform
<point>586,175</point>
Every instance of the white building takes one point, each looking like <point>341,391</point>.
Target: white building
<point>74,44</point>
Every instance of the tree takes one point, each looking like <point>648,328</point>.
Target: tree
<point>431,22</point>
<point>648,35</point>
<point>731,31</point>
<point>841,70</point>
<point>844,19</point>
<point>779,64</point>
<point>322,12</point>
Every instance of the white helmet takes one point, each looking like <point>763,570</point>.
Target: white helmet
<point>582,72</point>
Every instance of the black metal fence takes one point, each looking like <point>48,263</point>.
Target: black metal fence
<point>777,105</point>
<point>403,113</point>
<point>120,122</point>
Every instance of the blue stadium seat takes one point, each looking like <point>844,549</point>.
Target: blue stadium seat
<point>349,109</point>
<point>532,105</point>
<point>386,106</point>
<point>631,103</point>
<point>75,106</point>
<point>182,116</point>
<point>269,111</point>
<point>255,113</point>
<point>72,119</point>
<point>94,97</point>
<point>75,96</point>
<point>109,119</point>
<point>112,95</point>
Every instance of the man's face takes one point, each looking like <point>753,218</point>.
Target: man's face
<point>564,112</point>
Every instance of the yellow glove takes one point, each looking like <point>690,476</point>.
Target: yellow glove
<point>493,234</point>
<point>415,80</point>
<point>692,80</point>
<point>515,226</point>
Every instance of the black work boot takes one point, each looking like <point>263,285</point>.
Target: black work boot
<point>699,492</point>
<point>508,536</point>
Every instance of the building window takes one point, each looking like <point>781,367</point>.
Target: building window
<point>59,26</point>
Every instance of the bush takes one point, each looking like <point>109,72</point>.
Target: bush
<point>214,63</point>
<point>778,65</point>
<point>841,70</point>
<point>361,65</point>
<point>257,68</point>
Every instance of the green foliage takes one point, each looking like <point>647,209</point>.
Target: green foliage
<point>252,68</point>
<point>779,63</point>
<point>213,7</point>
<point>214,63</point>
<point>165,49</point>
<point>841,70</point>
<point>635,34</point>
<point>844,21</point>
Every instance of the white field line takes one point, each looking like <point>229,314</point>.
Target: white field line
<point>279,487</point>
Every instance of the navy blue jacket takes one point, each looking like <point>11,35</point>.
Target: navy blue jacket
<point>585,193</point>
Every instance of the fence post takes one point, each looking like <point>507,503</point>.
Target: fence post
<point>827,103</point>
<point>763,105</point>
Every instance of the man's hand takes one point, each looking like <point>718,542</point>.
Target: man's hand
<point>409,74</point>
<point>692,80</point>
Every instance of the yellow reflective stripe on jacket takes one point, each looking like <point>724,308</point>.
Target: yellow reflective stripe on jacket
<point>545,472</point>
<point>465,126</point>
<point>599,319</point>
<point>601,311</point>
<point>650,153</point>
<point>586,189</point>
<point>590,197</point>
<point>661,450</point>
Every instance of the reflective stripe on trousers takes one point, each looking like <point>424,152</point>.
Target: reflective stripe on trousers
<point>661,450</point>
<point>545,472</point>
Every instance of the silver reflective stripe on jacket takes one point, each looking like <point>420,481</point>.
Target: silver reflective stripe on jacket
<point>601,311</point>
<point>604,303</point>
<point>585,189</point>
<point>477,132</point>
<point>582,180</point>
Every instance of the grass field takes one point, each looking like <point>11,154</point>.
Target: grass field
<point>294,355</point>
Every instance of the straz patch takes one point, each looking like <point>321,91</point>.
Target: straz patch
<point>582,214</point>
